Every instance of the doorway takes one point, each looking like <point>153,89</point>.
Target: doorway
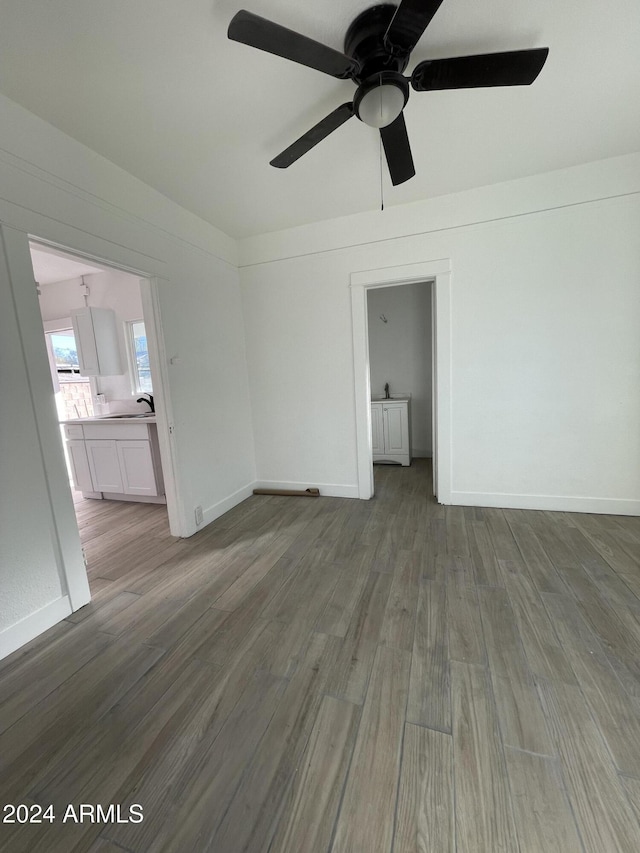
<point>400,368</point>
<point>438,275</point>
<point>73,291</point>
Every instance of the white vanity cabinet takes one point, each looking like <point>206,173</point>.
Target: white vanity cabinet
<point>96,336</point>
<point>115,460</point>
<point>390,435</point>
<point>377,429</point>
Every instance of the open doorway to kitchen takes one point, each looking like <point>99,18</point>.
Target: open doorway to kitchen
<point>96,326</point>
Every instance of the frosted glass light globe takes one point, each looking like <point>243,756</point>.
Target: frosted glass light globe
<point>381,106</point>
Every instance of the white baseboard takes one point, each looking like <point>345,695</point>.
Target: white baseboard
<point>557,503</point>
<point>27,629</point>
<point>330,490</point>
<point>212,512</point>
<point>141,499</point>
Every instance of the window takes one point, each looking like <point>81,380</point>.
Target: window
<point>65,352</point>
<point>139,357</point>
<point>74,394</point>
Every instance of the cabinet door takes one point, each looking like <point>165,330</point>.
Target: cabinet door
<point>82,322</point>
<point>377,432</point>
<point>104,465</point>
<point>79,462</point>
<point>396,428</point>
<point>96,335</point>
<point>136,466</point>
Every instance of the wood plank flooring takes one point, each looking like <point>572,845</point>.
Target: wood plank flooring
<point>337,676</point>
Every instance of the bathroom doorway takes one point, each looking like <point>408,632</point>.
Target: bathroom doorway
<point>399,324</point>
<point>432,290</point>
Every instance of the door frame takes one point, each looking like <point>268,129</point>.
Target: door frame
<point>438,273</point>
<point>69,556</point>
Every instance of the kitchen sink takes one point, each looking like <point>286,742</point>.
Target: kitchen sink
<point>131,415</point>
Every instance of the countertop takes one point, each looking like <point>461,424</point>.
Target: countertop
<point>403,399</point>
<point>117,419</point>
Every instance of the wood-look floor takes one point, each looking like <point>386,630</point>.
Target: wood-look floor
<point>312,675</point>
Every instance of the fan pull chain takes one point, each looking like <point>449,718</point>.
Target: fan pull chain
<point>380,143</point>
<point>381,184</point>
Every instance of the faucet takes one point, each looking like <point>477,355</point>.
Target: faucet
<point>149,401</point>
<point>387,395</point>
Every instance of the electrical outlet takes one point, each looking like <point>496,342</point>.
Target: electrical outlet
<point>198,514</point>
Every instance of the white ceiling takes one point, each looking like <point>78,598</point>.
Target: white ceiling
<point>156,87</point>
<point>50,265</point>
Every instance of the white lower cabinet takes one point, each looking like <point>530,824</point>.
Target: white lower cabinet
<point>136,468</point>
<point>127,464</point>
<point>79,462</point>
<point>104,465</point>
<point>390,431</point>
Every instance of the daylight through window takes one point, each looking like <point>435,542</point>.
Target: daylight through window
<point>139,357</point>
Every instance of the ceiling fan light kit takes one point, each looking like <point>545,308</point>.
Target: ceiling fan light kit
<point>381,98</point>
<point>377,48</point>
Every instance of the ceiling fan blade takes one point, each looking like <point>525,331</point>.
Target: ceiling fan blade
<point>411,19</point>
<point>255,31</point>
<point>512,68</point>
<point>317,133</point>
<point>395,141</point>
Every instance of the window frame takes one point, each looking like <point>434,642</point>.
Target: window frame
<point>134,376</point>
<point>51,327</point>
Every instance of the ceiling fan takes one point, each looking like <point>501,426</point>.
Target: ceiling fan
<point>377,47</point>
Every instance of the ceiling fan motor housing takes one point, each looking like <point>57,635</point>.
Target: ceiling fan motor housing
<point>365,42</point>
<point>378,66</point>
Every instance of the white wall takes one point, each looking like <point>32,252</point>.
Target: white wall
<point>29,577</point>
<point>113,289</point>
<point>55,189</point>
<point>400,352</point>
<point>545,345</point>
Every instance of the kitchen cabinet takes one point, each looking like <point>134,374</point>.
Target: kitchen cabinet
<point>136,468</point>
<point>96,336</point>
<point>79,462</point>
<point>104,465</point>
<point>115,460</point>
<point>390,431</point>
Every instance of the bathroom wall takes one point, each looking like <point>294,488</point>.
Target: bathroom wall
<point>400,352</point>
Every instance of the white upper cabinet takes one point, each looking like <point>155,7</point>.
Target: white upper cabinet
<point>96,337</point>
